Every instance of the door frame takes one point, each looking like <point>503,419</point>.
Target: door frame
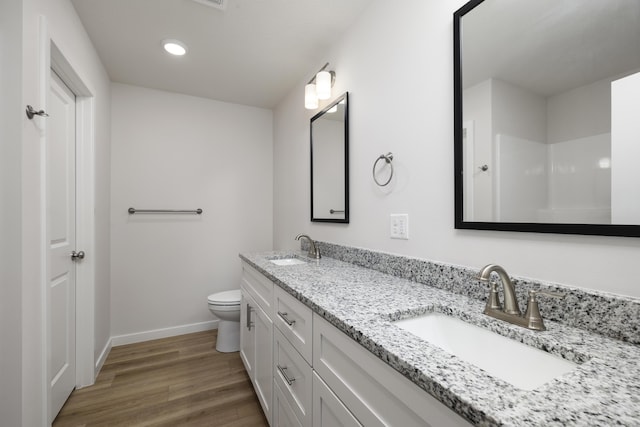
<point>51,57</point>
<point>468,169</point>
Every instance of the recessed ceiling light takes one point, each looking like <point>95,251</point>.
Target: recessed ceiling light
<point>174,47</point>
<point>218,4</point>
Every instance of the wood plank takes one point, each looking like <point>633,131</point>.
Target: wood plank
<point>168,382</point>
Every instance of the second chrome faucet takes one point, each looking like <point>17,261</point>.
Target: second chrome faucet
<point>511,312</point>
<point>314,252</point>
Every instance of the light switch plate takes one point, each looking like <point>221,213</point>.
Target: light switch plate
<point>399,226</point>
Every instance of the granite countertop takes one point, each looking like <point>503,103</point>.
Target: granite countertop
<point>603,390</point>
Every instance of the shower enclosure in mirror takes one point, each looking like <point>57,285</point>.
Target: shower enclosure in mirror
<point>547,116</point>
<point>330,162</point>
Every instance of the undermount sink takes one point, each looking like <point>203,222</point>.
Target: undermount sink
<point>520,365</point>
<point>287,261</point>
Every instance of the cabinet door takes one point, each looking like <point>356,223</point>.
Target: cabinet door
<point>283,415</point>
<point>328,411</point>
<point>247,334</point>
<point>263,365</point>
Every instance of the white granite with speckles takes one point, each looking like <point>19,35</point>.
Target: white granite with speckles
<point>362,302</point>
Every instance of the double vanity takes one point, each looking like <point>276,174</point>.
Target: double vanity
<point>327,342</point>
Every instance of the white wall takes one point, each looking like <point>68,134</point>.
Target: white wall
<point>172,151</point>
<point>578,113</point>
<point>67,32</point>
<point>10,212</point>
<point>518,112</point>
<point>625,150</point>
<point>397,65</point>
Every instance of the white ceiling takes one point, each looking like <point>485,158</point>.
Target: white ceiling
<point>253,52</point>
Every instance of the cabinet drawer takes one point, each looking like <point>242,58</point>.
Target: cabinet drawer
<point>294,320</point>
<point>293,375</point>
<point>373,391</point>
<point>260,288</point>
<point>328,411</point>
<point>283,415</point>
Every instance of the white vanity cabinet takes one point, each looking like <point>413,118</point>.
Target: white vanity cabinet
<point>307,373</point>
<point>256,334</point>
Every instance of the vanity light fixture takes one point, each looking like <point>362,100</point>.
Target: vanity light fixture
<point>319,87</point>
<point>174,47</point>
<point>323,84</point>
<point>310,97</point>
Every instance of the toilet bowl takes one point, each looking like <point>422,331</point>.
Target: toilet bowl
<point>226,307</point>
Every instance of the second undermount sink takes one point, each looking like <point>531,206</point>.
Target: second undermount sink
<point>522,366</point>
<point>287,261</point>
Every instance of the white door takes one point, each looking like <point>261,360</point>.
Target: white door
<point>61,223</point>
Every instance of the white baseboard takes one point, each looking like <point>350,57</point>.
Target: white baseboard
<point>163,333</point>
<point>103,357</point>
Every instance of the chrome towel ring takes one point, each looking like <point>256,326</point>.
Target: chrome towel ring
<point>387,158</point>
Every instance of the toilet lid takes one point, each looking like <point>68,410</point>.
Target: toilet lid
<point>225,298</point>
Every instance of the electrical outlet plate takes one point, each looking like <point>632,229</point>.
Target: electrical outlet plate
<point>399,226</point>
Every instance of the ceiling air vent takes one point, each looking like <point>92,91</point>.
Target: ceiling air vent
<point>218,4</point>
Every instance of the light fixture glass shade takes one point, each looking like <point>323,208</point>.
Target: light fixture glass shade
<point>323,85</point>
<point>310,97</point>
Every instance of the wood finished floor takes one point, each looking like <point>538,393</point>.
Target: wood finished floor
<point>177,381</point>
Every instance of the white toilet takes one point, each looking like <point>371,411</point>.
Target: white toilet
<point>226,307</point>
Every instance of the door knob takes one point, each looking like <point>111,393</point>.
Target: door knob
<point>75,256</point>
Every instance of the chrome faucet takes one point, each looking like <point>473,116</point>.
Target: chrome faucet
<point>314,252</point>
<point>511,312</point>
<point>510,302</point>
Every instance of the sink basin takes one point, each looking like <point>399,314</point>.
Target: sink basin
<point>287,261</point>
<point>520,365</point>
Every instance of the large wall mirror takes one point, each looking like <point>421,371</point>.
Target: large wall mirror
<point>547,116</point>
<point>330,162</point>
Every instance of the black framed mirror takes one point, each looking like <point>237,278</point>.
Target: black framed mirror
<point>546,99</point>
<point>329,131</point>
